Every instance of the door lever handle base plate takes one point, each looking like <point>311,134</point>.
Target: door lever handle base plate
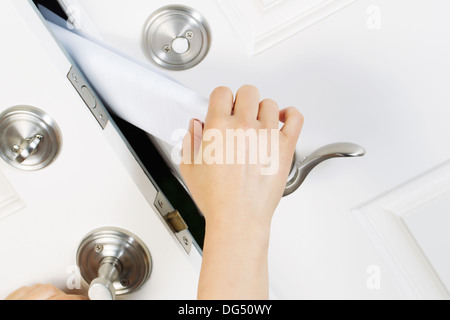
<point>114,243</point>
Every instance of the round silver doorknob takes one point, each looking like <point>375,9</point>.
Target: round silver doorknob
<point>113,262</point>
<point>176,37</point>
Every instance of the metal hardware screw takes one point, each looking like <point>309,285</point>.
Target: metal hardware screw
<point>185,240</point>
<point>15,148</point>
<point>189,35</point>
<point>124,282</point>
<point>160,203</point>
<point>98,247</point>
<point>167,49</point>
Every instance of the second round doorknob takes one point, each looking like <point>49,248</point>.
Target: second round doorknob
<point>113,262</point>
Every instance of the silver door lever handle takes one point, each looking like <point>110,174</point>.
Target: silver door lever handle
<point>304,167</point>
<point>28,148</point>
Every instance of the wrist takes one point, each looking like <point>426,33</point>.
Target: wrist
<point>239,227</point>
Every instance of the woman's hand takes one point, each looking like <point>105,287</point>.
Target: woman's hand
<point>236,167</point>
<point>42,292</point>
<point>224,187</point>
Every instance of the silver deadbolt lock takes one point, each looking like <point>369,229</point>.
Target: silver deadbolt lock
<point>113,262</point>
<point>29,138</point>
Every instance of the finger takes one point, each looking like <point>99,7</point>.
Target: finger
<point>220,103</point>
<point>247,103</point>
<point>69,297</point>
<point>187,150</point>
<point>269,113</point>
<point>192,142</point>
<point>42,292</point>
<point>19,293</point>
<point>293,123</point>
<point>198,137</point>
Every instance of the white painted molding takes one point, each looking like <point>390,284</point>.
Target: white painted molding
<point>268,4</point>
<point>383,221</point>
<point>10,202</point>
<point>262,24</point>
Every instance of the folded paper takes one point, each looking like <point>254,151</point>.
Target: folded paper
<point>132,91</point>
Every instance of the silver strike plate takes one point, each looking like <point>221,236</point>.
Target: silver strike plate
<point>176,37</point>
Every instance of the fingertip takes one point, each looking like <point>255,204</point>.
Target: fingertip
<point>270,102</point>
<point>248,88</point>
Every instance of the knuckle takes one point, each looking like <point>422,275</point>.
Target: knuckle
<point>245,124</point>
<point>249,88</point>
<point>293,112</point>
<point>222,90</point>
<point>215,122</point>
<point>300,116</point>
<point>50,289</point>
<point>270,103</point>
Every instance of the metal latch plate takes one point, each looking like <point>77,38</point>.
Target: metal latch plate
<point>93,103</point>
<point>175,221</point>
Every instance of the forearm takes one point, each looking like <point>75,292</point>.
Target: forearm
<point>235,263</point>
<point>238,198</point>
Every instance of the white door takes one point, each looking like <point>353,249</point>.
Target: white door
<point>94,182</point>
<point>370,72</point>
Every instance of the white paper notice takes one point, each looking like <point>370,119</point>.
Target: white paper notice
<point>133,91</point>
